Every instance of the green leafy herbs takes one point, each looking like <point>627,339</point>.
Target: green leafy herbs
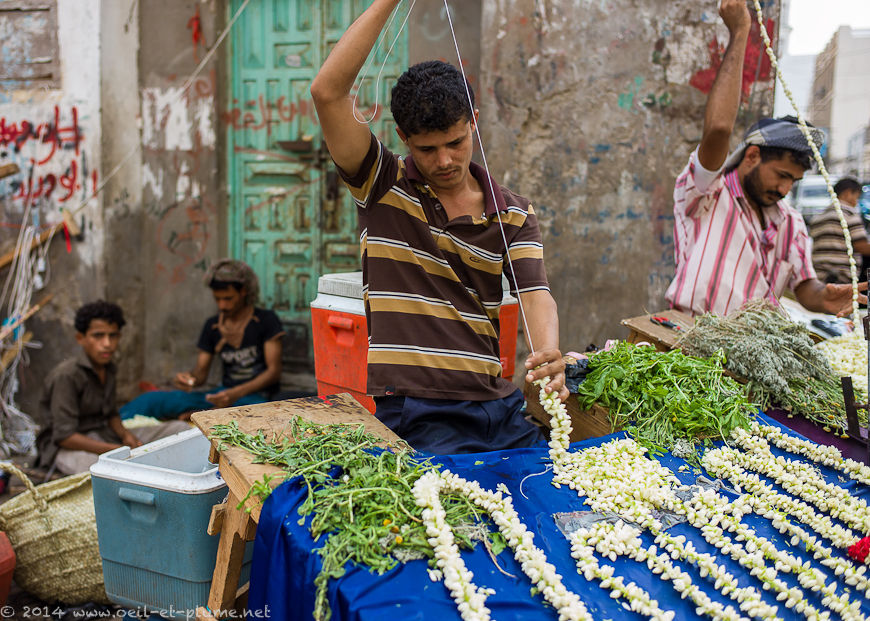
<point>359,497</point>
<point>670,399</point>
<point>776,357</point>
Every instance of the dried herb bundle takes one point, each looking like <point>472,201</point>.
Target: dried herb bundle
<point>776,357</point>
<point>359,496</point>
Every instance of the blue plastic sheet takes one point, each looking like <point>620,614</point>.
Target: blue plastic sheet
<point>285,564</point>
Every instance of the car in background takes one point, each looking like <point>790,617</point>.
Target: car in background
<point>810,196</point>
<point>864,204</point>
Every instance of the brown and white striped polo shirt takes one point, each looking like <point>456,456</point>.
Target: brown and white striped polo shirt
<point>433,287</point>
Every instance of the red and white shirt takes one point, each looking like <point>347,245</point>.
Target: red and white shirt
<point>725,255</point>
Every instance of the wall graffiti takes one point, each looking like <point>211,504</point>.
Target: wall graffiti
<point>756,64</point>
<point>264,114</point>
<point>54,166</point>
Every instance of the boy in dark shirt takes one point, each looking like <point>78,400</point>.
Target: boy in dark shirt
<point>247,340</point>
<point>80,418</point>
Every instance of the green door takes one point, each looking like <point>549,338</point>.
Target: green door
<point>289,216</point>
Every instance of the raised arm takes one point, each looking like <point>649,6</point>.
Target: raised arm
<point>724,97</point>
<point>346,138</point>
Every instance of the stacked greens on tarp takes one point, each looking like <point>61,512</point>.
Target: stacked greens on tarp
<point>671,400</point>
<point>777,359</point>
<point>359,497</point>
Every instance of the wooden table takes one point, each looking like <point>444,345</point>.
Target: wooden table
<point>236,527</point>
<point>643,329</point>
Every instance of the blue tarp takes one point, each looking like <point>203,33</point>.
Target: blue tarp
<point>284,565</point>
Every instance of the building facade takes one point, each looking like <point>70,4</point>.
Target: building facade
<point>840,97</point>
<point>173,148</point>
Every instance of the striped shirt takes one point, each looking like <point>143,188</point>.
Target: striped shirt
<point>725,256</point>
<point>433,287</point>
<point>829,244</point>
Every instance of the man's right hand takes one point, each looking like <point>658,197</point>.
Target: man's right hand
<point>185,380</point>
<point>735,14</point>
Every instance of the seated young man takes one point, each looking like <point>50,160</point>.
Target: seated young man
<point>79,416</point>
<point>246,338</point>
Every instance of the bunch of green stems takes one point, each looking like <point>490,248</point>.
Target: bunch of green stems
<point>359,496</point>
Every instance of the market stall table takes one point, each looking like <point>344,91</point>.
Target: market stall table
<point>643,328</point>
<point>286,562</point>
<point>235,526</point>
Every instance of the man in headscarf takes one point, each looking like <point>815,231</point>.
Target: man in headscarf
<point>735,239</point>
<point>247,339</point>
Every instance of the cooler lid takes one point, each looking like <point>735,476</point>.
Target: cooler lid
<point>178,463</point>
<point>345,284</point>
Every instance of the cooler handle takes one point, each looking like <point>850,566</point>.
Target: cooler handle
<point>135,495</point>
<point>342,323</point>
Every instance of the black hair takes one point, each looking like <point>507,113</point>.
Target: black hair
<point>107,311</point>
<point>430,96</point>
<point>220,285</point>
<point>845,184</point>
<point>804,159</point>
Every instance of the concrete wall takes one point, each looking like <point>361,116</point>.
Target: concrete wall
<point>55,137</point>
<point>429,35</point>
<point>591,109</point>
<point>183,194</point>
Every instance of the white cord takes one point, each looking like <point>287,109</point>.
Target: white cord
<point>371,58</point>
<point>491,187</point>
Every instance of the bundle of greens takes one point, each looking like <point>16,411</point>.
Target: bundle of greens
<point>672,400</point>
<point>359,496</point>
<point>776,357</point>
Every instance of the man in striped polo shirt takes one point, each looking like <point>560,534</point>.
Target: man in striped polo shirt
<point>433,255</point>
<point>735,239</point>
<point>830,257</point>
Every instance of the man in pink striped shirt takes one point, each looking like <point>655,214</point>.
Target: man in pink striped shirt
<point>735,239</point>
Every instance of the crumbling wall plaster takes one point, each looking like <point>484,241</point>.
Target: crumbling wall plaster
<point>591,109</point>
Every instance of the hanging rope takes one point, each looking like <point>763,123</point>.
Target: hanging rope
<point>853,270</point>
<point>489,177</point>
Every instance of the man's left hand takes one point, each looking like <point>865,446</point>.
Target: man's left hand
<point>222,399</point>
<point>548,363</point>
<point>837,299</point>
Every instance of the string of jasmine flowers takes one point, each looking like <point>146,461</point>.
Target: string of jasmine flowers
<point>802,124</point>
<point>617,477</point>
<point>469,599</point>
<point>648,487</point>
<point>707,505</point>
<point>803,481</point>
<point>774,506</point>
<point>612,540</point>
<point>825,455</point>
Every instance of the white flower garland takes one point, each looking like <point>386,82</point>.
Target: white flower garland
<point>853,270</point>
<point>611,540</point>
<point>469,599</point>
<point>802,481</point>
<point>755,549</point>
<point>618,477</point>
<point>719,463</point>
<point>847,355</point>
<point>821,454</point>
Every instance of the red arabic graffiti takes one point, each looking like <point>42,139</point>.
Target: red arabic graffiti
<point>52,133</point>
<point>75,178</point>
<point>756,64</point>
<point>260,113</point>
